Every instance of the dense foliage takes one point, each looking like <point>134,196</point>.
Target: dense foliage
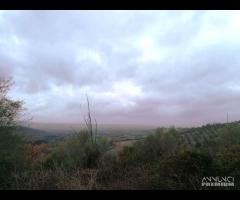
<point>11,143</point>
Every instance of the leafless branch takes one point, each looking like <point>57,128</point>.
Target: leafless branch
<point>96,127</point>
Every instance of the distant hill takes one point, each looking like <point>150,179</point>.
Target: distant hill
<point>192,136</point>
<point>37,134</point>
<point>53,132</point>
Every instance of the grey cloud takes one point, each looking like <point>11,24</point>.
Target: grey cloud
<point>52,42</point>
<point>95,49</point>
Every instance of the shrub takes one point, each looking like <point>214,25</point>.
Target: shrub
<point>77,151</point>
<point>152,148</point>
<point>36,154</point>
<point>184,170</point>
<point>11,155</point>
<point>225,137</point>
<point>229,161</point>
<point>11,143</point>
<point>229,135</point>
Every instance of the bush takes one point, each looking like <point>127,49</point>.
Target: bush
<point>184,170</point>
<point>108,168</point>
<point>36,154</point>
<point>78,151</point>
<point>11,144</point>
<point>229,161</point>
<point>228,136</point>
<point>152,148</point>
<point>11,156</point>
<point>225,137</point>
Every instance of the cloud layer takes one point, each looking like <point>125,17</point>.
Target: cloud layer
<point>155,67</point>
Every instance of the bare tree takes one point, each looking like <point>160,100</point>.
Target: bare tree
<point>89,123</point>
<point>96,129</point>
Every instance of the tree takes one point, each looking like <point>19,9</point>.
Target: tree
<point>225,137</point>
<point>184,170</point>
<point>89,124</point>
<point>9,109</point>
<point>229,160</point>
<point>11,144</point>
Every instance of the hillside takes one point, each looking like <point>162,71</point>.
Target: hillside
<point>198,135</point>
<point>120,134</point>
<point>37,134</point>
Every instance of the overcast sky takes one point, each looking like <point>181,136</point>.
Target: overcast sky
<point>153,67</point>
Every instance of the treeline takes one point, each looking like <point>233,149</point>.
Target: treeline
<point>162,160</point>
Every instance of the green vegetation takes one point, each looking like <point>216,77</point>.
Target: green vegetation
<point>78,151</point>
<point>164,159</point>
<point>11,144</point>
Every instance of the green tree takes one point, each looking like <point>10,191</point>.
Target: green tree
<point>225,137</point>
<point>11,143</point>
<point>184,170</point>
<point>229,135</point>
<point>152,148</point>
<point>228,161</point>
<point>9,109</point>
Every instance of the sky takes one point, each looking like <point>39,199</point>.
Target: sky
<point>166,68</point>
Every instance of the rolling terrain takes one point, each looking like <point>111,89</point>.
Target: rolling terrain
<point>121,135</point>
<point>198,135</point>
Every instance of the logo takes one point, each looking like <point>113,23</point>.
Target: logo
<point>218,181</point>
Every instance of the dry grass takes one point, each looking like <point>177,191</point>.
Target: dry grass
<point>119,145</point>
<point>57,179</point>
